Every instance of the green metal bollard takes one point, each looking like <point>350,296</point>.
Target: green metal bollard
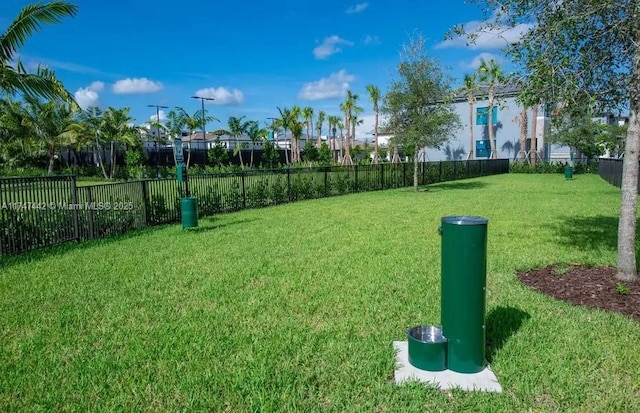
<point>568,172</point>
<point>189,211</point>
<point>463,291</point>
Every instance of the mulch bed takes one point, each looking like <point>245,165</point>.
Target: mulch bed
<point>587,286</point>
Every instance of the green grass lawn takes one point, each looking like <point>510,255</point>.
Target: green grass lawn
<point>295,308</point>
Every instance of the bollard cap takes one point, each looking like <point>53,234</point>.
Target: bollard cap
<point>464,220</point>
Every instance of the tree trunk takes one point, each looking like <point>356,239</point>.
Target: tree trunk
<point>627,269</point>
<point>52,155</point>
<point>415,172</point>
<point>376,155</point>
<point>101,161</point>
<point>534,137</point>
<point>492,138</point>
<point>470,156</point>
<point>251,162</point>
<point>112,167</point>
<point>396,155</point>
<point>347,127</point>
<point>523,134</point>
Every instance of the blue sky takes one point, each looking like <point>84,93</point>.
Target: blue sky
<point>251,56</point>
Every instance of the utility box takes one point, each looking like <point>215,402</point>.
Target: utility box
<point>463,291</point>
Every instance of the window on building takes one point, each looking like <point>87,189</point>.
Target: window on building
<point>482,115</point>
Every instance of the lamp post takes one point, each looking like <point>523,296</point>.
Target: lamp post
<point>157,135</point>
<point>204,121</point>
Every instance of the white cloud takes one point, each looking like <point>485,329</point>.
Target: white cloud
<point>475,63</point>
<point>487,38</point>
<point>163,116</point>
<point>357,8</point>
<point>329,47</point>
<point>89,96</point>
<point>369,39</point>
<point>222,95</point>
<point>136,85</point>
<point>330,87</point>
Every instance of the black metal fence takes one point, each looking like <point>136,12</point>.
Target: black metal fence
<point>36,212</point>
<point>610,170</point>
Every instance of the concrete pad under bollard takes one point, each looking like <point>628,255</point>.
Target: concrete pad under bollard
<point>485,380</point>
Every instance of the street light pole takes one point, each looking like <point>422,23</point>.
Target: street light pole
<point>157,135</point>
<point>204,121</point>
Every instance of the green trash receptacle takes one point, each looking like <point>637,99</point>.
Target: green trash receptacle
<point>463,291</point>
<point>568,172</point>
<point>189,211</point>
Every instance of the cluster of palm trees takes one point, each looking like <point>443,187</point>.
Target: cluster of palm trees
<point>295,119</point>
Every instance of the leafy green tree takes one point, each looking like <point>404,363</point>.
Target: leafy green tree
<point>311,153</point>
<point>13,76</point>
<point>417,104</point>
<point>325,157</point>
<point>269,154</point>
<point>576,52</point>
<point>374,97</point>
<point>218,154</point>
<point>581,133</point>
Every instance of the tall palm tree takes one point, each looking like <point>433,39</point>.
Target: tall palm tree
<point>284,122</point>
<point>91,121</point>
<point>174,125</point>
<point>347,107</point>
<point>470,89</point>
<point>355,121</point>
<point>492,75</point>
<point>333,125</point>
<point>256,134</point>
<point>296,112</point>
<point>296,133</point>
<point>237,128</point>
<point>374,97</point>
<point>340,125</point>
<point>307,114</point>
<point>319,122</point>
<point>13,77</point>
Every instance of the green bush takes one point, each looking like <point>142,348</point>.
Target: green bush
<point>552,167</point>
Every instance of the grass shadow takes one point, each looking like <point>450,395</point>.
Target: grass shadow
<point>213,225</point>
<point>445,186</point>
<point>589,233</point>
<point>501,323</point>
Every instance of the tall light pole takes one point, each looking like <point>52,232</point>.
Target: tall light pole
<point>204,120</point>
<point>157,134</point>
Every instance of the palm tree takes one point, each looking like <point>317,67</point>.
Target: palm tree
<point>193,123</point>
<point>256,134</point>
<point>116,129</point>
<point>14,78</point>
<point>470,88</point>
<point>319,122</point>
<point>175,124</point>
<point>340,125</point>
<point>307,114</point>
<point>491,74</point>
<point>374,97</point>
<point>355,121</point>
<point>284,121</point>
<point>50,124</point>
<point>296,133</point>
<point>296,111</point>
<point>347,107</point>
<point>333,125</point>
<point>91,121</point>
<point>236,129</point>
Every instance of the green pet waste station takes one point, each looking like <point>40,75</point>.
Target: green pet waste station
<point>459,343</point>
<point>188,204</point>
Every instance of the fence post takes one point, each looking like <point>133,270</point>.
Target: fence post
<point>355,178</point>
<point>145,202</point>
<point>404,174</point>
<point>326,182</point>
<point>244,192</point>
<point>90,211</point>
<point>74,200</point>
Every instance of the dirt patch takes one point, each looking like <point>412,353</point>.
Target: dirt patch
<point>587,286</point>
